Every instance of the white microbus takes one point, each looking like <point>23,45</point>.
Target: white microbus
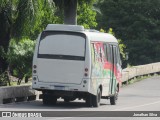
<point>70,62</point>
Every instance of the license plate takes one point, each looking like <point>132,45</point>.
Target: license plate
<point>59,87</point>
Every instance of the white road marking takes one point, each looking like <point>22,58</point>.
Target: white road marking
<point>137,106</point>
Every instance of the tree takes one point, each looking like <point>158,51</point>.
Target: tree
<point>69,9</point>
<point>21,52</point>
<point>86,15</point>
<point>27,18</point>
<point>137,23</point>
<point>5,25</point>
<point>22,18</point>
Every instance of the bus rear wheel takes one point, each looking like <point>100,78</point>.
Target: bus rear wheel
<point>47,100</point>
<point>113,99</point>
<point>96,99</point>
<point>89,100</point>
<point>67,100</point>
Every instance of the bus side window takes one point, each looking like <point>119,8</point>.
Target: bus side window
<point>100,54</point>
<point>110,54</point>
<point>113,54</point>
<point>93,52</point>
<point>119,58</point>
<point>117,55</point>
<point>106,51</point>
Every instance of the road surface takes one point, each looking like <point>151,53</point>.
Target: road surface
<point>140,96</point>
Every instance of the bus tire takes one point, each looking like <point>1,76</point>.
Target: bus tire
<point>96,99</point>
<point>89,100</point>
<point>113,99</point>
<point>54,100</point>
<point>66,100</point>
<point>47,100</point>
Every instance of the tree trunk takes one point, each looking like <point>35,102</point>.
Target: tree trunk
<point>4,43</point>
<point>70,12</point>
<point>4,38</point>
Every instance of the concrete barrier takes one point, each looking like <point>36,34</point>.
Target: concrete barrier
<point>25,93</point>
<point>16,94</point>
<point>156,67</point>
<point>125,75</point>
<point>141,70</point>
<point>131,72</point>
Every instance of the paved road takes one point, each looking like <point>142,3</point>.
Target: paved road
<point>140,96</point>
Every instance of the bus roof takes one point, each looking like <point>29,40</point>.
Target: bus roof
<point>100,37</point>
<point>92,35</point>
<point>62,27</point>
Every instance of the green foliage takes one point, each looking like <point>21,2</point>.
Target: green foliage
<point>137,23</point>
<point>46,14</point>
<point>23,18</point>
<point>6,15</point>
<point>86,15</point>
<point>110,31</point>
<point>102,30</point>
<point>3,79</point>
<point>122,48</point>
<point>2,52</point>
<point>26,18</point>
<point>20,56</point>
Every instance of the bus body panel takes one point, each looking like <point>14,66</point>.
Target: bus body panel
<point>100,67</point>
<point>61,58</point>
<point>56,71</point>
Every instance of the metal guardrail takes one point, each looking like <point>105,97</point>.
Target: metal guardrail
<point>25,93</point>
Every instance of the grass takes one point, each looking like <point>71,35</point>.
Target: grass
<point>14,83</point>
